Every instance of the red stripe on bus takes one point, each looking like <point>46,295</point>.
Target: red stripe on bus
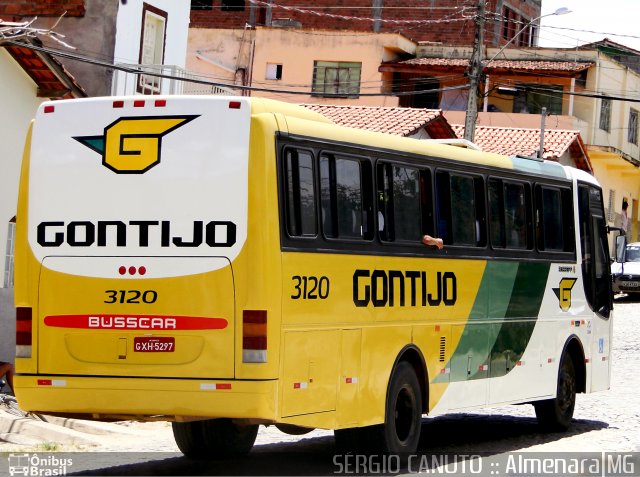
<point>135,322</point>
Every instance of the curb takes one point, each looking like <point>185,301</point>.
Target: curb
<point>39,428</point>
<point>12,425</point>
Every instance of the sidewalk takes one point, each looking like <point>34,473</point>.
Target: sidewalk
<point>25,431</point>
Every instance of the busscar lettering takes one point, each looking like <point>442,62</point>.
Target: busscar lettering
<point>132,322</point>
<point>83,233</point>
<point>404,288</point>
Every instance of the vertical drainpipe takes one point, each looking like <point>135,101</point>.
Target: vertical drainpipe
<point>573,90</point>
<point>594,116</point>
<point>377,15</point>
<point>249,75</point>
<point>268,15</point>
<point>485,107</point>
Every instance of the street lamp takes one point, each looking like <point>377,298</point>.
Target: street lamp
<point>477,65</point>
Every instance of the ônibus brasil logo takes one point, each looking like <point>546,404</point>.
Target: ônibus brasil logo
<point>133,145</point>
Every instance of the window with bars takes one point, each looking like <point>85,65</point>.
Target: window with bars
<point>336,78</point>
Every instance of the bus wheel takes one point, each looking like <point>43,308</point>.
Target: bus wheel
<point>400,432</point>
<point>556,414</point>
<point>214,438</point>
<point>189,437</point>
<point>293,430</point>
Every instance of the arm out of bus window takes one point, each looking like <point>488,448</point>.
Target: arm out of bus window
<point>431,241</point>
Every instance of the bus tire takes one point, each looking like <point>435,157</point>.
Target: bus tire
<point>214,438</point>
<point>293,430</point>
<point>400,432</point>
<point>555,415</point>
<point>189,438</point>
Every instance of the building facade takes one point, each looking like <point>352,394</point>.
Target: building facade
<point>438,21</point>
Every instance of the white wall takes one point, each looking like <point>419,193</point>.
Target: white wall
<point>128,30</point>
<point>19,105</point>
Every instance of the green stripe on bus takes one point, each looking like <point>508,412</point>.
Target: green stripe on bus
<point>524,306</point>
<point>509,291</point>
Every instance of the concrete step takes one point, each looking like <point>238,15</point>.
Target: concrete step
<point>42,431</point>
<point>19,427</point>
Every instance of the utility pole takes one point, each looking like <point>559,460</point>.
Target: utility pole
<point>542,124</point>
<point>475,72</point>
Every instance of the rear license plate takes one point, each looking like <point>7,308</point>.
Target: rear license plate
<point>154,344</point>
<point>631,284</point>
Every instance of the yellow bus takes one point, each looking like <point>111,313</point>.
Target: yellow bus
<point>230,262</point>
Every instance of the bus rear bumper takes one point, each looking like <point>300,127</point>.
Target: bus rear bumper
<point>147,398</point>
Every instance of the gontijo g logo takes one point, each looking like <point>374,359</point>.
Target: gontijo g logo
<point>563,292</point>
<point>132,145</point>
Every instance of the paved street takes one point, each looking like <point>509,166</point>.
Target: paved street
<point>606,421</point>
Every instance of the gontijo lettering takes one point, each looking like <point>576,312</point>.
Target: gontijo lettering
<point>86,233</point>
<point>394,287</point>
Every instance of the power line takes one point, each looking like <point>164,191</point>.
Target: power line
<point>139,71</point>
<point>635,37</point>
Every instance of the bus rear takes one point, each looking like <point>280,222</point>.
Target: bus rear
<point>132,216</point>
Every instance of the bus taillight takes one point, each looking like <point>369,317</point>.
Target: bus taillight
<point>254,336</point>
<point>23,332</point>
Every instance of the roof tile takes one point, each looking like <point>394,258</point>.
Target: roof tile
<point>396,121</point>
<point>521,141</point>
<point>515,65</point>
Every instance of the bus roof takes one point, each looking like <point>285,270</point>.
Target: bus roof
<point>316,125</point>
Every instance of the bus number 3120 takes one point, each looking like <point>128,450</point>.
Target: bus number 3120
<point>131,296</point>
<point>310,288</point>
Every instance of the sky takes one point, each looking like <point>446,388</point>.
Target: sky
<point>608,18</point>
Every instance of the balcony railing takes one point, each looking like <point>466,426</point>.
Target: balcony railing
<point>163,79</point>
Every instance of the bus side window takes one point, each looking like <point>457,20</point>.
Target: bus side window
<point>554,219</point>
<point>345,197</point>
<point>384,201</point>
<point>517,215</point>
<point>496,215</point>
<point>510,214</point>
<point>401,198</point>
<point>443,207</point>
<point>460,209</point>
<point>406,203</point>
<point>300,200</point>
<point>426,203</point>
